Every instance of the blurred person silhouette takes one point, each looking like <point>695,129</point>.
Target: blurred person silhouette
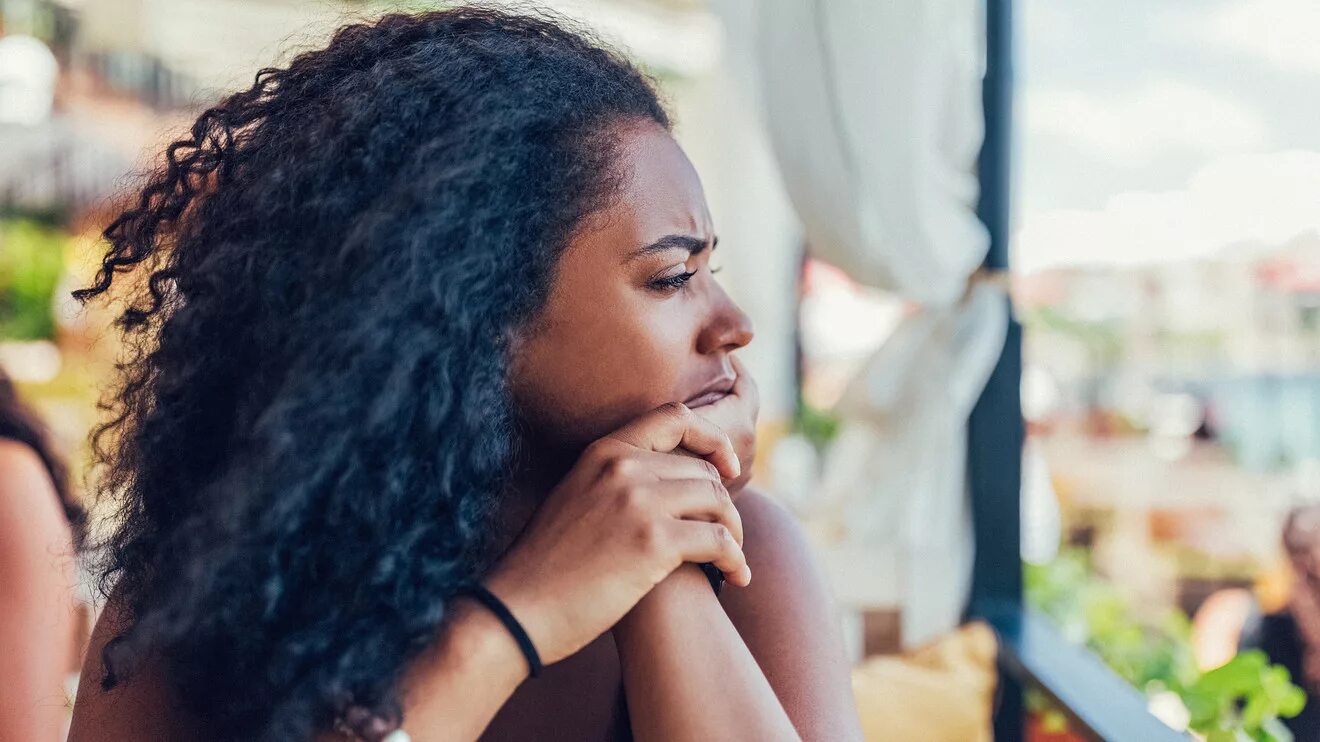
<point>1291,636</point>
<point>39,615</point>
<point>1285,625</point>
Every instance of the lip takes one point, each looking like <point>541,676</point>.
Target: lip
<point>712,392</point>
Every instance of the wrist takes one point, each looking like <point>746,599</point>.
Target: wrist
<point>474,640</point>
<point>470,671</point>
<point>685,588</point>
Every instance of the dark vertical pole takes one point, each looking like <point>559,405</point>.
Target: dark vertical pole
<point>995,430</point>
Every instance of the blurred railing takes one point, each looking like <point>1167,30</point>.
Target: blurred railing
<point>143,76</point>
<point>59,175</point>
<point>51,169</point>
<point>1098,703</point>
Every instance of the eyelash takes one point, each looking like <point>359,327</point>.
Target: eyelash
<point>678,281</point>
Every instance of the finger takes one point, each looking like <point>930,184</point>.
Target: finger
<point>678,464</point>
<point>672,425</point>
<point>712,542</point>
<point>699,499</point>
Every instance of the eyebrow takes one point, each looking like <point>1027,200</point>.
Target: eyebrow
<point>674,242</point>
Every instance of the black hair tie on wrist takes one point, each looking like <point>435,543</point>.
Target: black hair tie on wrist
<point>501,611</point>
<point>713,574</point>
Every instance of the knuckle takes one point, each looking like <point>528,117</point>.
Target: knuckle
<point>603,449</point>
<point>720,492</point>
<point>649,538</point>
<point>709,469</point>
<point>634,499</point>
<point>609,469</point>
<point>722,538</point>
<point>618,469</point>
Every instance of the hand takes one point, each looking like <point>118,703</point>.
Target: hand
<point>735,414</point>
<point>626,516</point>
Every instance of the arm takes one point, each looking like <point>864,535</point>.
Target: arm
<point>450,693</point>
<point>37,613</point>
<point>628,514</point>
<point>37,618</point>
<point>695,673</point>
<point>453,691</point>
<point>686,672</point>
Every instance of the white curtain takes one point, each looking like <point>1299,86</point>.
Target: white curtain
<point>874,108</point>
<point>895,477</point>
<point>874,112</point>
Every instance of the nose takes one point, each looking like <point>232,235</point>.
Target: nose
<point>727,328</point>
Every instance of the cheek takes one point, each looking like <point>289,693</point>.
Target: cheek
<point>648,356</point>
<point>586,374</point>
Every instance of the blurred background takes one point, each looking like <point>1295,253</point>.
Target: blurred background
<point>1165,266</point>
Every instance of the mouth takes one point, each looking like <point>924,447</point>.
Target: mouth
<point>711,393</point>
<point>708,398</point>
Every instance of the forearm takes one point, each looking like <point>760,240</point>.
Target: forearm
<point>687,673</point>
<point>454,690</point>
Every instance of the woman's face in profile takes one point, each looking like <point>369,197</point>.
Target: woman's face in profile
<point>635,318</point>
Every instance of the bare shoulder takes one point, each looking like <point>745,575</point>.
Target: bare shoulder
<point>788,620</point>
<point>23,476</point>
<point>14,453</point>
<point>775,544</point>
<point>31,522</point>
<point>769,517</point>
<point>785,576</point>
<point>139,706</point>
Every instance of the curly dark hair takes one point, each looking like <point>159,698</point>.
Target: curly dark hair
<point>314,422</point>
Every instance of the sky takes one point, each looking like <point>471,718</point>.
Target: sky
<point>1160,130</point>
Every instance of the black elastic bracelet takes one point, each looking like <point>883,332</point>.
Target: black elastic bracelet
<point>502,612</point>
<point>713,574</point>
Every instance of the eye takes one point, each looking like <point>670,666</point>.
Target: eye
<point>671,283</point>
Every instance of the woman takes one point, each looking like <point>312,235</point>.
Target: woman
<point>39,617</point>
<point>1291,637</point>
<point>428,308</point>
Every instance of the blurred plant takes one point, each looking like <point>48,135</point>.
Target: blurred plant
<point>816,425</point>
<point>1103,340</point>
<point>31,260</point>
<point>1242,700</point>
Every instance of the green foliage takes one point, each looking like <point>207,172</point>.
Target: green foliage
<point>1240,701</point>
<point>31,261</point>
<point>1246,696</point>
<point>1102,340</point>
<point>816,425</point>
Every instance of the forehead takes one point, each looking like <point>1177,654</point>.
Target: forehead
<point>660,195</point>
